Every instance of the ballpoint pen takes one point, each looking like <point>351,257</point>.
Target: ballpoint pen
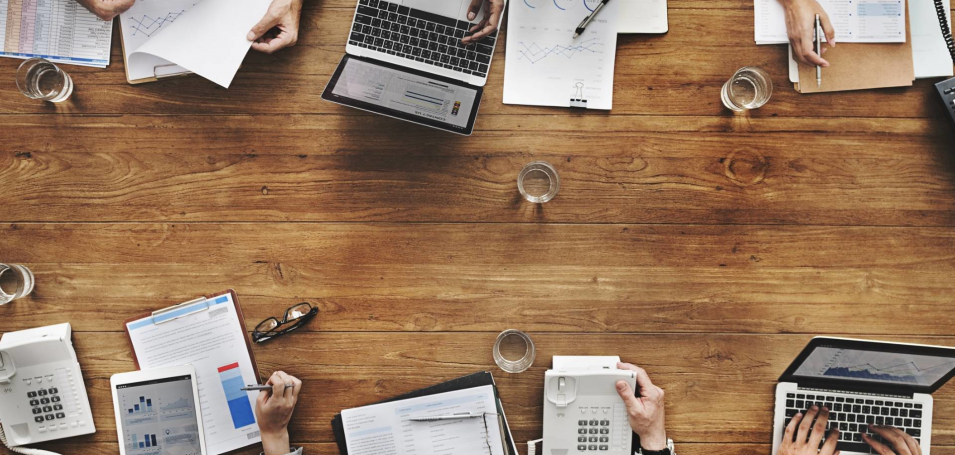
<point>587,20</point>
<point>457,416</point>
<point>259,388</point>
<point>818,51</point>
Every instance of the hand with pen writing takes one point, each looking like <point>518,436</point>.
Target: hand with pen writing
<point>107,9</point>
<point>801,24</point>
<point>493,9</point>
<point>273,410</point>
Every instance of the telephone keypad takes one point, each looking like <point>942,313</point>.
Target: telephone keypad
<point>46,405</point>
<point>591,428</point>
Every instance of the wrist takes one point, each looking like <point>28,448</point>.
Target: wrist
<point>276,443</point>
<point>654,441</point>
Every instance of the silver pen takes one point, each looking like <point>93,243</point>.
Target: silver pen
<point>587,20</point>
<point>818,51</point>
<point>259,388</point>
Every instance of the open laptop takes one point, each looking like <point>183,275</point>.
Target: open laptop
<point>405,59</point>
<point>863,383</point>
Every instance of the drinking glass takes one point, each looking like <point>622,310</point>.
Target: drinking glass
<point>749,88</point>
<point>514,351</point>
<point>40,79</point>
<point>538,182</point>
<point>15,281</point>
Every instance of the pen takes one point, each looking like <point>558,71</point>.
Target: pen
<point>587,20</point>
<point>258,388</point>
<point>818,51</point>
<point>461,415</point>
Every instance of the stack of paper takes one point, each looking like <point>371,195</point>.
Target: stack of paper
<point>61,31</point>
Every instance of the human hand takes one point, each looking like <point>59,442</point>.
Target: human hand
<point>801,23</point>
<point>106,9</point>
<point>279,28</point>
<point>802,437</point>
<point>645,410</point>
<point>492,17</point>
<point>893,438</point>
<point>273,410</point>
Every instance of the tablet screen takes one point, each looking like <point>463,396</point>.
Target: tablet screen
<point>404,93</point>
<point>159,417</point>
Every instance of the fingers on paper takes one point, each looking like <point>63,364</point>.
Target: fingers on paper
<point>272,18</point>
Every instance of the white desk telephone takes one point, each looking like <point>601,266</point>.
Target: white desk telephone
<point>583,414</point>
<point>42,395</point>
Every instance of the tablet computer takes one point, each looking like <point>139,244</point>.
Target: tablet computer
<point>157,412</point>
<point>405,93</point>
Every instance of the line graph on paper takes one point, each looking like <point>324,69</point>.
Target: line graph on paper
<point>147,25</point>
<point>534,53</point>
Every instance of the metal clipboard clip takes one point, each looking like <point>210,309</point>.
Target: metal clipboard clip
<point>164,71</point>
<point>176,307</point>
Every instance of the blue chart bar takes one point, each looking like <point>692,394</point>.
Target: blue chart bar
<point>239,404</point>
<point>153,437</point>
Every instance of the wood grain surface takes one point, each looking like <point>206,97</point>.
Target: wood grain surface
<point>706,247</point>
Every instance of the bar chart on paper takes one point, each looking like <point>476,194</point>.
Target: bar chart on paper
<point>547,66</point>
<point>61,31</point>
<point>240,407</point>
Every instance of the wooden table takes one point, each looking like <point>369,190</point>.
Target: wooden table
<point>706,247</point>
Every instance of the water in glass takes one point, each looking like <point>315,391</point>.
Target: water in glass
<point>40,79</point>
<point>749,88</point>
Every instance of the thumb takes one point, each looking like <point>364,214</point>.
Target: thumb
<point>270,20</point>
<point>626,393</point>
<point>474,9</point>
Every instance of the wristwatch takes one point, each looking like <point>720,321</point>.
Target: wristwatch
<point>669,450</point>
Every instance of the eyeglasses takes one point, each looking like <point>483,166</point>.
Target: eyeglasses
<point>295,317</point>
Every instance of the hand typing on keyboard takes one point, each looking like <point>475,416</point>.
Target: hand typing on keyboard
<point>892,438</point>
<point>645,409</point>
<point>492,16</point>
<point>805,432</point>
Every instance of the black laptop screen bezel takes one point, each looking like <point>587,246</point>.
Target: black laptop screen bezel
<point>327,95</point>
<point>867,345</point>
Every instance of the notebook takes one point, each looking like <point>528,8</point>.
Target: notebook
<point>643,16</point>
<point>472,381</point>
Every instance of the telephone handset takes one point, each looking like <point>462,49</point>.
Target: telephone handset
<point>946,89</point>
<point>42,394</point>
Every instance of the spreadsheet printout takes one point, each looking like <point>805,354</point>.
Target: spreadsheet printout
<point>61,31</point>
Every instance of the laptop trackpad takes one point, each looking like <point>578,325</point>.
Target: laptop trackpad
<point>450,8</point>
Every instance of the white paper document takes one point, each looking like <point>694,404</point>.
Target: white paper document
<point>855,21</point>
<point>929,52</point>
<point>208,335</point>
<point>643,16</point>
<point>61,31</point>
<point>384,429</point>
<point>546,66</point>
<point>206,37</point>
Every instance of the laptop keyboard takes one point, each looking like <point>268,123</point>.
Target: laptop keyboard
<point>853,415</point>
<point>420,36</point>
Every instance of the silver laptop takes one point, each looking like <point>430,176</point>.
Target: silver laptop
<point>863,383</point>
<point>405,59</point>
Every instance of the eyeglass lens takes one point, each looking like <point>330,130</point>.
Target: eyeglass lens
<point>297,312</point>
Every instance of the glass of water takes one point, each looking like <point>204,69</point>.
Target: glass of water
<point>15,281</point>
<point>749,88</point>
<point>538,182</point>
<point>40,79</point>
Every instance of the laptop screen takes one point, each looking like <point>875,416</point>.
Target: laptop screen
<point>915,367</point>
<point>405,94</point>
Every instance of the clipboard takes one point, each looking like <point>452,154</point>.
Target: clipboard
<point>162,315</point>
<point>479,379</point>
<point>159,72</point>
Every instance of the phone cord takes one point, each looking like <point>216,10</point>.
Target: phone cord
<point>23,450</point>
<point>946,31</point>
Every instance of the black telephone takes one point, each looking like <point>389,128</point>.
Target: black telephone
<point>946,89</point>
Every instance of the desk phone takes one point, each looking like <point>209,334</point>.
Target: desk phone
<point>583,414</point>
<point>42,395</point>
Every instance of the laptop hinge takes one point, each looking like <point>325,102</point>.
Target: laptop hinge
<point>870,391</point>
